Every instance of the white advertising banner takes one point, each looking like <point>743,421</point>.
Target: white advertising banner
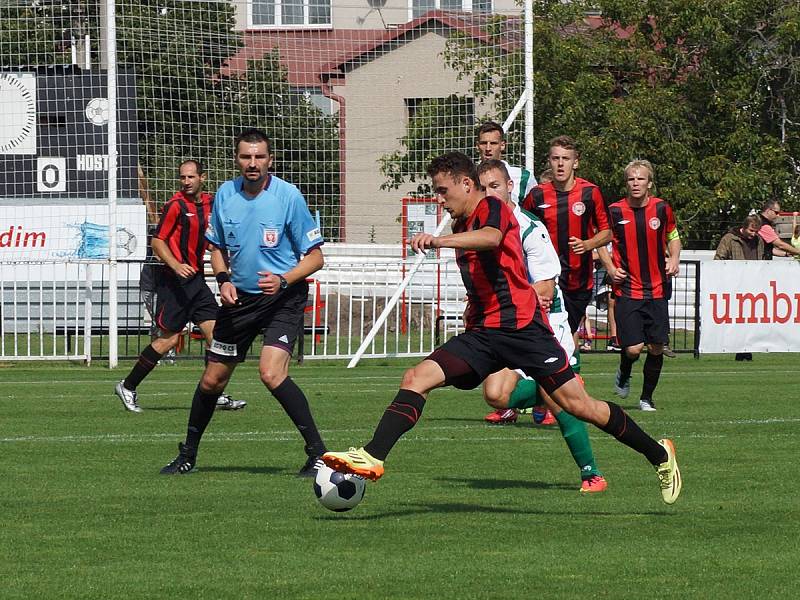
<point>750,306</point>
<point>70,232</point>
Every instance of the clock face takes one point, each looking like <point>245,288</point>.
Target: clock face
<point>18,106</point>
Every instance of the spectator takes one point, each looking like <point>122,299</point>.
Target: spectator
<point>795,233</point>
<point>743,243</point>
<point>775,246</point>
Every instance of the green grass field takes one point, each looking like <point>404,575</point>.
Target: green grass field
<point>465,510</point>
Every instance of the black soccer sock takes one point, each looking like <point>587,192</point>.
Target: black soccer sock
<point>652,371</point>
<point>625,365</point>
<point>295,403</point>
<point>148,360</point>
<point>625,429</point>
<point>400,416</point>
<point>203,405</point>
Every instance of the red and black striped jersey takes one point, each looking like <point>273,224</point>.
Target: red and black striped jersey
<point>580,213</point>
<point>640,242</point>
<point>182,227</point>
<point>499,295</point>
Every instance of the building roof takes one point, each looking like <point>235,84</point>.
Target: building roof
<point>311,56</point>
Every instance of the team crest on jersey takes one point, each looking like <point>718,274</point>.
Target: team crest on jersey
<point>578,209</point>
<point>654,223</point>
<point>270,238</point>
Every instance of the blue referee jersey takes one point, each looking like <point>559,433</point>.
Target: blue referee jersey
<point>267,233</point>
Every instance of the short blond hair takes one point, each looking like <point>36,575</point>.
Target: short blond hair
<point>641,163</point>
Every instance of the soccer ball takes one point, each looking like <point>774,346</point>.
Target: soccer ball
<point>338,491</point>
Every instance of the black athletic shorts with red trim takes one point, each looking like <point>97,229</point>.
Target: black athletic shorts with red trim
<point>641,321</point>
<point>277,318</point>
<point>179,301</point>
<point>533,349</point>
<point>576,303</point>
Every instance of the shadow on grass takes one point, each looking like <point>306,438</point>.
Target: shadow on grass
<point>184,408</point>
<point>501,484</point>
<point>455,507</point>
<point>251,470</point>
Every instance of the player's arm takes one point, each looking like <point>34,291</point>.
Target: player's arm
<point>599,239</point>
<point>673,245</point>
<point>485,238</point>
<point>163,252</point>
<point>219,265</point>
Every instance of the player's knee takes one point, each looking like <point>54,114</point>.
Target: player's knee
<point>409,379</point>
<point>272,378</point>
<point>213,383</point>
<point>633,352</point>
<point>496,400</point>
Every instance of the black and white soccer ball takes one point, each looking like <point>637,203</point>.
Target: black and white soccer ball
<point>338,491</point>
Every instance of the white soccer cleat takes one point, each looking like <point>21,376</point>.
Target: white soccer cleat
<point>128,398</point>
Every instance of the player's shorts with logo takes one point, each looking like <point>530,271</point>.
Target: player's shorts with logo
<point>576,303</point>
<point>277,318</point>
<point>179,301</point>
<point>533,349</point>
<point>642,321</point>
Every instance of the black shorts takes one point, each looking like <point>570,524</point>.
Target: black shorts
<point>576,303</point>
<point>641,321</point>
<point>179,301</point>
<point>533,349</point>
<point>278,318</point>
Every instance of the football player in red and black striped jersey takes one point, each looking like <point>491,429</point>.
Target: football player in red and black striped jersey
<point>181,291</point>
<point>646,255</point>
<point>575,214</point>
<point>505,327</point>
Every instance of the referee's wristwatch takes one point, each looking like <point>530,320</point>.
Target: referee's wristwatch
<point>284,283</point>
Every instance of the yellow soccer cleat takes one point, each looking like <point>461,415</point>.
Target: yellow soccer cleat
<point>356,461</point>
<point>669,475</point>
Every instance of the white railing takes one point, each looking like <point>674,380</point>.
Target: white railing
<point>44,308</point>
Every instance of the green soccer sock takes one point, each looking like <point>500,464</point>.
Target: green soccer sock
<point>577,437</point>
<point>524,395</point>
<point>576,364</point>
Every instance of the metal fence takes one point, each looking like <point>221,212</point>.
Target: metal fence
<point>58,311</point>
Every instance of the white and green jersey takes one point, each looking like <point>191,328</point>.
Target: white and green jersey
<point>541,257</point>
<point>523,180</point>
<point>543,263</point>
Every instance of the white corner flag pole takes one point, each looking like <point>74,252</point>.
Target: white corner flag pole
<point>393,300</point>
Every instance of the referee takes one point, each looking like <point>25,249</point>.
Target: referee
<point>260,226</point>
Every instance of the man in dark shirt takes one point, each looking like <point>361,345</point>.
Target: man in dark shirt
<point>181,291</point>
<point>646,255</point>
<point>505,327</point>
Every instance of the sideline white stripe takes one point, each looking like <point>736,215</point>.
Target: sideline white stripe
<point>291,435</point>
<point>393,378</point>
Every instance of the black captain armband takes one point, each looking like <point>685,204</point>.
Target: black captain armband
<point>222,278</point>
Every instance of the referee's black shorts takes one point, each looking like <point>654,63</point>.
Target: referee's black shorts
<point>641,321</point>
<point>277,318</point>
<point>533,349</point>
<point>179,301</point>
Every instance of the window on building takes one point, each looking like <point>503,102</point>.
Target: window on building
<point>290,13</point>
<point>417,8</point>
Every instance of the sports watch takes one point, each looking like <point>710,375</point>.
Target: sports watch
<point>284,283</point>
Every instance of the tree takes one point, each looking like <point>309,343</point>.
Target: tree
<point>708,91</point>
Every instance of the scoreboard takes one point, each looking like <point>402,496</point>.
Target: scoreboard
<point>54,134</point>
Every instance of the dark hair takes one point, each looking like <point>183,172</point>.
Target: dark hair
<point>491,164</point>
<point>490,126</point>
<point>197,165</point>
<point>751,220</point>
<point>455,164</point>
<point>252,135</point>
<point>564,141</point>
<point>770,204</point>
